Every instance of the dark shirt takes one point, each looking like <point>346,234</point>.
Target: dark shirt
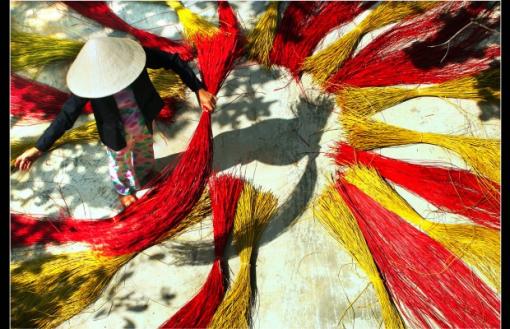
<point>106,113</point>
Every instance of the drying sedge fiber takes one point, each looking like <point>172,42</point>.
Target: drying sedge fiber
<point>332,212</point>
<point>367,134</point>
<point>101,13</point>
<point>142,224</point>
<point>253,213</point>
<point>426,49</point>
<point>82,134</point>
<point>477,246</point>
<point>327,61</point>
<point>370,100</point>
<point>193,24</point>
<point>198,312</point>
<point>35,50</point>
<point>260,38</point>
<point>49,290</point>
<point>449,189</point>
<point>427,282</point>
<point>303,27</point>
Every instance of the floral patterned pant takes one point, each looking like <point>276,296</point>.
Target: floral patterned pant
<point>135,161</point>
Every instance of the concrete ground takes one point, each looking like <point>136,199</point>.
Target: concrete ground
<point>265,126</point>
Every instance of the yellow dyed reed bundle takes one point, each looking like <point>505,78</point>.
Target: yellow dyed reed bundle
<point>50,290</point>
<point>82,134</point>
<point>475,245</point>
<point>334,215</point>
<point>193,25</point>
<point>260,38</point>
<point>482,155</point>
<point>370,100</point>
<point>168,84</point>
<point>252,215</point>
<point>36,50</point>
<point>327,61</point>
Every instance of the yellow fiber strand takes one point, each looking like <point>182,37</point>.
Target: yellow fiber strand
<point>168,84</point>
<point>260,39</point>
<point>36,50</point>
<point>475,245</point>
<point>194,25</point>
<point>50,290</point>
<point>327,61</point>
<point>82,134</point>
<point>335,216</point>
<point>370,100</point>
<point>252,215</point>
<point>483,155</point>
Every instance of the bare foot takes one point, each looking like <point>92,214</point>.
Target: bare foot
<point>127,200</point>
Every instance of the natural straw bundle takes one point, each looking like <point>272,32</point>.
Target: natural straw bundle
<point>483,155</point>
<point>260,38</point>
<point>253,213</point>
<point>477,246</point>
<point>449,189</point>
<point>370,100</point>
<point>332,212</point>
<point>82,134</point>
<point>325,62</point>
<point>49,290</point>
<point>193,24</point>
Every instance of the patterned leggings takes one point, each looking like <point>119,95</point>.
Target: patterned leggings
<point>134,162</point>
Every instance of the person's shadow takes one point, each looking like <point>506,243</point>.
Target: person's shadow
<point>276,142</point>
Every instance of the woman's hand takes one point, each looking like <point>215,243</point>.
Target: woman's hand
<point>206,100</point>
<point>25,160</point>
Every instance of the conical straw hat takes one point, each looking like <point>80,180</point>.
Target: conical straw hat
<point>105,66</point>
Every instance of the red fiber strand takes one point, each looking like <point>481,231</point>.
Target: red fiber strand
<point>449,189</point>
<point>198,312</point>
<point>101,13</point>
<point>426,281</point>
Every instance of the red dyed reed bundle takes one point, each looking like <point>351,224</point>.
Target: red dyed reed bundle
<point>142,224</point>
<point>449,189</point>
<point>101,13</point>
<point>34,100</point>
<point>304,25</point>
<point>426,281</point>
<point>198,312</point>
<point>411,52</point>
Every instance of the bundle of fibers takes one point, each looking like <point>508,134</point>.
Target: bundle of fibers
<point>31,100</point>
<point>426,281</point>
<point>145,222</point>
<point>254,210</point>
<point>334,215</point>
<point>260,38</point>
<point>449,189</point>
<point>101,13</point>
<point>35,50</point>
<point>193,24</point>
<point>367,134</point>
<point>82,134</point>
<point>327,61</point>
<point>477,246</point>
<point>370,100</point>
<point>309,27</point>
<point>440,45</point>
<point>216,54</point>
<point>198,312</point>
<point>49,290</point>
